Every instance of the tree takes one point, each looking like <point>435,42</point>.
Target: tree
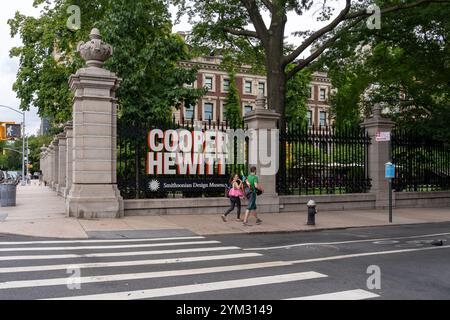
<point>145,57</point>
<point>233,104</point>
<point>296,96</point>
<point>405,66</point>
<point>239,24</point>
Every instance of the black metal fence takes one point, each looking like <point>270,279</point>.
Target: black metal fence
<point>323,160</point>
<point>421,163</point>
<point>135,183</point>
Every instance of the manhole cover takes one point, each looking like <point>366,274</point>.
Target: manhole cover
<point>386,242</point>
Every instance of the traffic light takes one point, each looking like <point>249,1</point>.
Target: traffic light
<point>9,131</point>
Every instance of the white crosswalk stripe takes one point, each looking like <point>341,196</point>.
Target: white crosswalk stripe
<point>357,294</point>
<point>10,243</point>
<point>204,266</point>
<point>202,287</point>
<point>130,263</point>
<point>114,254</point>
<point>146,245</point>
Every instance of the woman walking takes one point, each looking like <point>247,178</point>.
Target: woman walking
<point>235,194</point>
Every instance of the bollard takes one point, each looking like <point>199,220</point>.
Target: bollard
<point>311,213</point>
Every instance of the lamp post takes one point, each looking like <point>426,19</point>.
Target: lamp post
<point>23,140</point>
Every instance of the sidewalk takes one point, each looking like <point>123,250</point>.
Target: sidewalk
<point>40,212</point>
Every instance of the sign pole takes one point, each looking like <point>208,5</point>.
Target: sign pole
<point>390,184</point>
<point>23,150</point>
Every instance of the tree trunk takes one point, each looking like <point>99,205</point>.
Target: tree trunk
<point>276,87</point>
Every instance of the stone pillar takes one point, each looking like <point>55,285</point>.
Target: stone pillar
<point>68,129</point>
<point>262,125</point>
<point>378,156</point>
<point>51,165</point>
<point>43,163</point>
<point>61,163</point>
<point>94,192</point>
<point>56,165</point>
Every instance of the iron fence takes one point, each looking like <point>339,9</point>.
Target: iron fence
<point>135,183</point>
<point>421,162</point>
<point>323,160</point>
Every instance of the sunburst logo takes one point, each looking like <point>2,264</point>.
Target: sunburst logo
<point>154,185</point>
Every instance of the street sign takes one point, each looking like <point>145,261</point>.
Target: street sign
<point>13,131</point>
<point>390,170</point>
<point>383,136</point>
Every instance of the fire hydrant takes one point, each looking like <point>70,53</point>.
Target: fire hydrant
<point>311,213</point>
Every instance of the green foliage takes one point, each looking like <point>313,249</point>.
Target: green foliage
<point>405,65</point>
<point>233,104</point>
<point>146,54</point>
<point>296,97</point>
<point>10,160</point>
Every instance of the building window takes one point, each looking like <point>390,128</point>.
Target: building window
<point>323,118</point>
<point>309,117</point>
<point>189,112</point>
<point>224,114</point>
<point>208,113</point>
<point>209,83</point>
<point>248,87</point>
<point>247,109</point>
<point>226,85</point>
<point>262,88</point>
<point>310,93</point>
<point>322,94</point>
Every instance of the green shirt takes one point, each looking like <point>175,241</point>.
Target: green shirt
<point>253,179</point>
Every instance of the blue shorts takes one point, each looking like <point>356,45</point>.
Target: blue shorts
<point>252,201</point>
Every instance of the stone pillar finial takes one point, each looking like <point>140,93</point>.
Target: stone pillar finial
<point>95,52</point>
<point>260,101</point>
<point>377,111</point>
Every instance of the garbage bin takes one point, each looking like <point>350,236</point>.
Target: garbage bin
<point>8,195</point>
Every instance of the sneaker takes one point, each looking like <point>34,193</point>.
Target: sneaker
<point>239,220</point>
<point>258,221</point>
<point>224,218</point>
<point>245,224</point>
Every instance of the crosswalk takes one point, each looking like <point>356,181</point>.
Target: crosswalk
<point>183,267</point>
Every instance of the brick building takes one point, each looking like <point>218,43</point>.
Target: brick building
<point>211,105</point>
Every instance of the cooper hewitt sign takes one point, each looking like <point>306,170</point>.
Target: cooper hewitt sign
<point>207,152</point>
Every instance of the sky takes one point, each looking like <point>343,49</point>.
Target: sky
<point>9,67</point>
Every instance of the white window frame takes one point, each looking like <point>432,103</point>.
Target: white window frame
<point>326,118</point>
<point>222,90</point>
<point>214,116</point>
<point>192,86</point>
<point>265,87</point>
<point>244,104</point>
<point>309,111</point>
<point>195,112</point>
<point>222,110</point>
<point>251,86</point>
<point>213,82</point>
<point>326,93</point>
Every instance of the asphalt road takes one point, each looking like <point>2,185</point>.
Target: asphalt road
<point>395,262</point>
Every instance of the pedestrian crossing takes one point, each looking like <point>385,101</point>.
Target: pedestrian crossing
<point>153,268</point>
